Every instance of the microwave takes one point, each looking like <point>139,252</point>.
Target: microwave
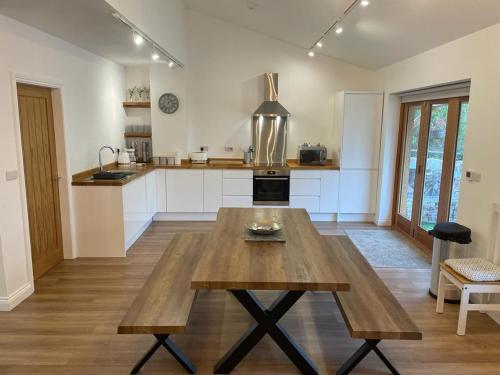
<point>312,154</point>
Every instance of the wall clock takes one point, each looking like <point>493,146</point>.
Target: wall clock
<point>168,103</point>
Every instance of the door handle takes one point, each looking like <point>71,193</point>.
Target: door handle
<point>57,178</point>
<point>419,169</point>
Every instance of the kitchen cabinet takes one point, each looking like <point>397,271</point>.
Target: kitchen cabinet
<point>135,207</point>
<point>358,191</point>
<point>315,190</point>
<point>161,191</point>
<point>151,203</point>
<point>311,204</point>
<point>109,219</point>
<point>237,188</point>
<point>359,116</point>
<point>237,201</point>
<point>305,186</point>
<point>329,197</point>
<point>184,190</point>
<point>212,190</point>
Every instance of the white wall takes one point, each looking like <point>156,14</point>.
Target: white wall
<point>170,131</point>
<point>162,20</point>
<point>475,57</point>
<point>225,86</point>
<point>92,91</point>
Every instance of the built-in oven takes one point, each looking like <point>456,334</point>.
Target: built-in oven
<point>271,187</point>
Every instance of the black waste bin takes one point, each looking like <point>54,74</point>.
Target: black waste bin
<point>444,234</point>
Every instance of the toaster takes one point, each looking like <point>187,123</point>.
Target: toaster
<point>198,157</point>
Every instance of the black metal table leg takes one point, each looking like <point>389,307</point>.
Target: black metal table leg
<point>266,322</point>
<point>177,353</point>
<point>361,353</point>
<point>164,340</point>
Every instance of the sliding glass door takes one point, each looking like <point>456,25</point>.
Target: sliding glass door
<point>429,165</point>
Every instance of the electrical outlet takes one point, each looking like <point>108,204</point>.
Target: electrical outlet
<point>228,148</point>
<point>11,175</point>
<point>204,148</point>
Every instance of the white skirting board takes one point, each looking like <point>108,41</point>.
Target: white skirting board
<point>362,218</point>
<point>139,233</point>
<point>14,299</point>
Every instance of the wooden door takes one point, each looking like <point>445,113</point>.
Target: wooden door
<point>429,165</point>
<point>41,179</point>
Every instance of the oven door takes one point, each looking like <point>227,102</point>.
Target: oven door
<point>270,190</point>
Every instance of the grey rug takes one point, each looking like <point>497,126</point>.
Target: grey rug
<point>388,249</point>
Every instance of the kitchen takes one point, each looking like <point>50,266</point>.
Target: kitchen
<point>168,118</point>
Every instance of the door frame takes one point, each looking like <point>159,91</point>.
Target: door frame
<point>62,164</point>
<point>449,149</point>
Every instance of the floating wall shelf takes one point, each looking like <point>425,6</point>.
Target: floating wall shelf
<point>136,104</point>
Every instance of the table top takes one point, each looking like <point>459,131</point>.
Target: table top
<point>303,262</point>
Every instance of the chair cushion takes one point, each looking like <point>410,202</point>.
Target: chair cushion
<point>475,269</point>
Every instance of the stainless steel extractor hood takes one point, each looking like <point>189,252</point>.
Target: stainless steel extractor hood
<point>271,106</point>
<point>269,127</point>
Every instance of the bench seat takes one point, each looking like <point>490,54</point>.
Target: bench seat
<point>369,309</point>
<point>164,303</point>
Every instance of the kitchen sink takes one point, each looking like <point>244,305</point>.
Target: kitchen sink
<point>112,175</point>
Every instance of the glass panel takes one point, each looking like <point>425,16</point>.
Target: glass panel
<point>409,162</point>
<point>433,165</point>
<point>459,157</point>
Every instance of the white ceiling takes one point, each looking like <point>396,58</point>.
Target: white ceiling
<point>88,24</point>
<point>385,32</point>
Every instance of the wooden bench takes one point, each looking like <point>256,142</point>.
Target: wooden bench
<point>164,302</point>
<point>369,309</point>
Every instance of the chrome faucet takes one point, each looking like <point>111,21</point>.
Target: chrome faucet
<point>100,160</point>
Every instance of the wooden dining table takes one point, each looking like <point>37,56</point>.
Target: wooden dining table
<point>301,263</point>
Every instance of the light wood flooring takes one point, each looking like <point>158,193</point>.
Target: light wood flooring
<point>69,325</point>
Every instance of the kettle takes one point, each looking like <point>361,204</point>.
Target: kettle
<point>123,157</point>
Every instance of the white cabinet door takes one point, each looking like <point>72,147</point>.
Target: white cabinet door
<point>310,173</point>
<point>184,190</point>
<point>358,192</point>
<point>311,204</point>
<point>151,193</point>
<point>304,186</point>
<point>238,173</point>
<point>161,191</point>
<point>329,198</point>
<point>212,190</point>
<point>237,201</point>
<point>362,123</point>
<point>135,208</point>
<point>237,186</point>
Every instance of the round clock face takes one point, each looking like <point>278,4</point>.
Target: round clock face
<point>168,103</point>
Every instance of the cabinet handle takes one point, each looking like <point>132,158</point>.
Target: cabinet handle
<point>272,178</point>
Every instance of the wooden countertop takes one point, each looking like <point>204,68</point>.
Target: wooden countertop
<point>303,262</point>
<point>85,178</point>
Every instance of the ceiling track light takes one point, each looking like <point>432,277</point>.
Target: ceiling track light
<point>138,34</point>
<point>310,53</point>
<point>171,64</point>
<point>138,39</point>
<point>336,26</point>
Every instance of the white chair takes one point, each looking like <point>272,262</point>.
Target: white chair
<point>451,279</point>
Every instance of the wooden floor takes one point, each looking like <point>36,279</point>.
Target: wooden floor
<point>68,326</point>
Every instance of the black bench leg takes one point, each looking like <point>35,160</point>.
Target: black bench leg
<point>145,358</point>
<point>361,353</point>
<point>163,340</point>
<point>177,353</point>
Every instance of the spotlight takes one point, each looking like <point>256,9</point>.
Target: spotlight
<point>310,53</point>
<point>155,56</point>
<point>364,3</point>
<point>138,39</point>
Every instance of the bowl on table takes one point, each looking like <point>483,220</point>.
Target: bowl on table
<point>263,229</point>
